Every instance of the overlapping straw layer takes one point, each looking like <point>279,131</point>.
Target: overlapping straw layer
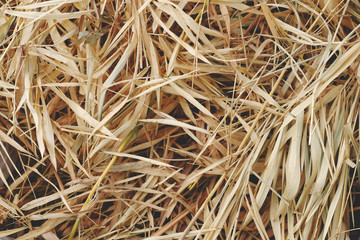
<point>220,119</point>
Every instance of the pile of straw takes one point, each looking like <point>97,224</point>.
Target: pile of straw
<point>220,119</point>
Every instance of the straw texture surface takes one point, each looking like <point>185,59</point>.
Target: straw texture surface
<point>222,119</point>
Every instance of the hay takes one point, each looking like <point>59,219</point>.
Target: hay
<point>180,119</point>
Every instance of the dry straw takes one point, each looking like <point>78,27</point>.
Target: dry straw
<point>179,119</point>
